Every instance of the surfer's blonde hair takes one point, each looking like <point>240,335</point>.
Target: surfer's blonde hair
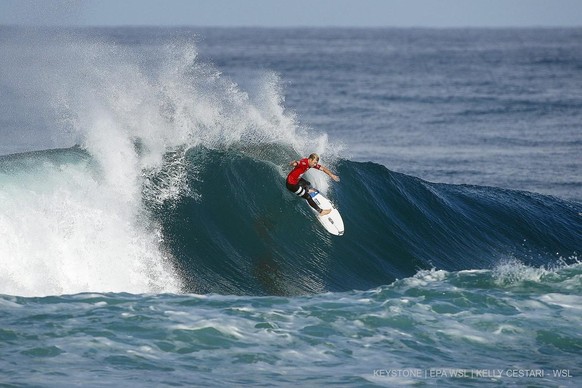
<point>314,156</point>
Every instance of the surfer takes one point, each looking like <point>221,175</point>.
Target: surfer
<point>297,185</point>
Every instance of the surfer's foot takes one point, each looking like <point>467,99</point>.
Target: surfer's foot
<point>312,190</point>
<point>324,212</point>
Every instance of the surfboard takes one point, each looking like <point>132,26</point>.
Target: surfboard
<point>333,221</point>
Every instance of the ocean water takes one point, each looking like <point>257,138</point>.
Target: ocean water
<point>147,237</point>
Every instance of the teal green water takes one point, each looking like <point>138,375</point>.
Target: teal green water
<point>514,325</point>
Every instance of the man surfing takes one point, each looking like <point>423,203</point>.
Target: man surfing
<point>299,186</point>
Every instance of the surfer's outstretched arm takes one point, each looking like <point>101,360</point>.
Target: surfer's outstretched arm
<point>331,174</point>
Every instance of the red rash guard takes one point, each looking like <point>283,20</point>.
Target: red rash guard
<point>302,166</point>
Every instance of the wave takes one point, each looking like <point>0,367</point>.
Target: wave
<point>231,227</point>
<point>177,186</point>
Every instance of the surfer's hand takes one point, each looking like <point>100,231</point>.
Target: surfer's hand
<point>335,177</point>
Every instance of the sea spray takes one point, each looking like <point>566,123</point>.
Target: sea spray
<point>85,224</point>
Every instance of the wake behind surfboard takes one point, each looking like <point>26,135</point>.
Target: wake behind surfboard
<point>333,221</point>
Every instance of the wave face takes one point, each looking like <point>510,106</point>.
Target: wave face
<point>245,234</point>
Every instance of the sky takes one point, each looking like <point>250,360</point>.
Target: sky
<point>294,13</point>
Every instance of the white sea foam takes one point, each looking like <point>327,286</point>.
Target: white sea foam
<point>66,232</point>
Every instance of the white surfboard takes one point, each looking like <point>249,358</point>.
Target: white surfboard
<point>332,222</point>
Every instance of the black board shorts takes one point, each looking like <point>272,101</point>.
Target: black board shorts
<point>302,190</point>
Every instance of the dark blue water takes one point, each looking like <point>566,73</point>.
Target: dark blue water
<point>147,236</point>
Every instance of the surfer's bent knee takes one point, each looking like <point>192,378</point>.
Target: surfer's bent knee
<point>301,191</point>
